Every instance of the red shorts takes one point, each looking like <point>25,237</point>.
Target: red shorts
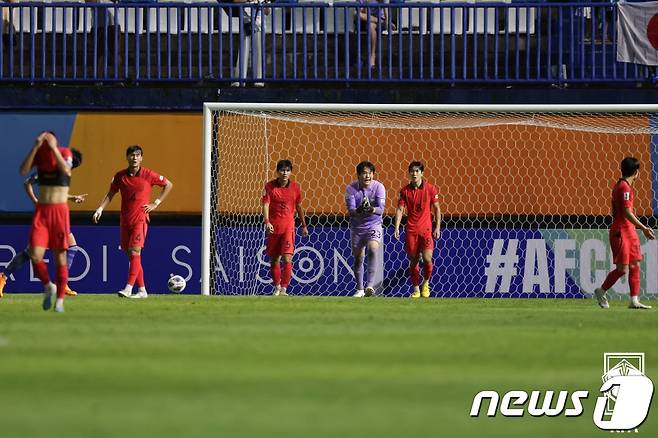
<point>625,247</point>
<point>50,226</point>
<point>278,244</point>
<point>133,235</point>
<point>416,243</point>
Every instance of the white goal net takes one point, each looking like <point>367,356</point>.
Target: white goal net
<point>525,193</point>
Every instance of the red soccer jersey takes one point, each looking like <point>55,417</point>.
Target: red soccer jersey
<point>622,197</point>
<point>283,201</point>
<point>135,193</point>
<point>418,201</point>
<point>45,160</point>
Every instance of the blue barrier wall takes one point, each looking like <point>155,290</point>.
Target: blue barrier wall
<point>102,267</point>
<point>475,262</point>
<point>468,262</point>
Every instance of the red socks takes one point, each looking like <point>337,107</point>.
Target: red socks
<point>62,280</point>
<point>140,277</point>
<point>611,279</point>
<point>427,270</point>
<point>286,275</point>
<point>414,271</point>
<point>41,271</point>
<point>275,271</point>
<point>135,267</point>
<point>634,281</point>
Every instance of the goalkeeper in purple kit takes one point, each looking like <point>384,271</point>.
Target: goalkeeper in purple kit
<point>365,200</point>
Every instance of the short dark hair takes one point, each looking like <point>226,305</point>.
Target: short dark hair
<point>417,164</point>
<point>629,166</point>
<point>134,148</point>
<point>77,158</point>
<point>283,164</point>
<point>363,165</point>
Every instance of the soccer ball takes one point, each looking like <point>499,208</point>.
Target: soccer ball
<point>176,284</point>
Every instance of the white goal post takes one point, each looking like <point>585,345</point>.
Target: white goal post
<point>524,190</point>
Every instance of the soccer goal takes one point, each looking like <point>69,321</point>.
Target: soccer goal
<point>525,193</point>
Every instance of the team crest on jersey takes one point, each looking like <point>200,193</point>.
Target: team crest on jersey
<point>627,196</point>
<point>161,177</point>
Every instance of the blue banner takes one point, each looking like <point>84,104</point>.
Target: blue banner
<point>100,266</point>
<point>512,263</point>
<point>467,262</point>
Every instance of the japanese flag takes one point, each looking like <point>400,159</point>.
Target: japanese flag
<point>637,30</point>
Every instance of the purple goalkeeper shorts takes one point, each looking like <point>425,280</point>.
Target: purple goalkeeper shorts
<point>360,238</point>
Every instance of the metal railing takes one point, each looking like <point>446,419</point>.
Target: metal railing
<point>437,42</point>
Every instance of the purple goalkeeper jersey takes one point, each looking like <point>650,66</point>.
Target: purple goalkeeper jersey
<point>376,193</point>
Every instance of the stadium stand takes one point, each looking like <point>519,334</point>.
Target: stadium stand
<point>449,42</point>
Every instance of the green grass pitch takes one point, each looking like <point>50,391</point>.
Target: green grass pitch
<point>191,366</point>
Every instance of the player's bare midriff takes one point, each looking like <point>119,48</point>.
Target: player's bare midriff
<point>53,194</point>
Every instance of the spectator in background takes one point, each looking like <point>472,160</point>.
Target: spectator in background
<point>104,28</point>
<point>252,21</point>
<point>7,22</point>
<point>602,31</point>
<point>369,17</point>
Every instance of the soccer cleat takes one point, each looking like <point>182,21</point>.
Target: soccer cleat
<point>3,281</point>
<point>59,305</point>
<point>69,292</point>
<point>277,291</point>
<point>140,295</point>
<point>370,291</point>
<point>49,295</point>
<point>601,298</point>
<point>638,305</point>
<point>425,290</point>
<point>283,292</point>
<point>415,293</point>
<point>359,293</point>
<point>124,293</point>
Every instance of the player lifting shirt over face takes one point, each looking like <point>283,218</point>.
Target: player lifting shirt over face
<point>50,223</point>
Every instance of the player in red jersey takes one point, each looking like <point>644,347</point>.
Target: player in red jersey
<point>421,200</point>
<point>281,198</point>
<point>50,223</point>
<point>23,257</point>
<point>624,242</point>
<point>135,185</point>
